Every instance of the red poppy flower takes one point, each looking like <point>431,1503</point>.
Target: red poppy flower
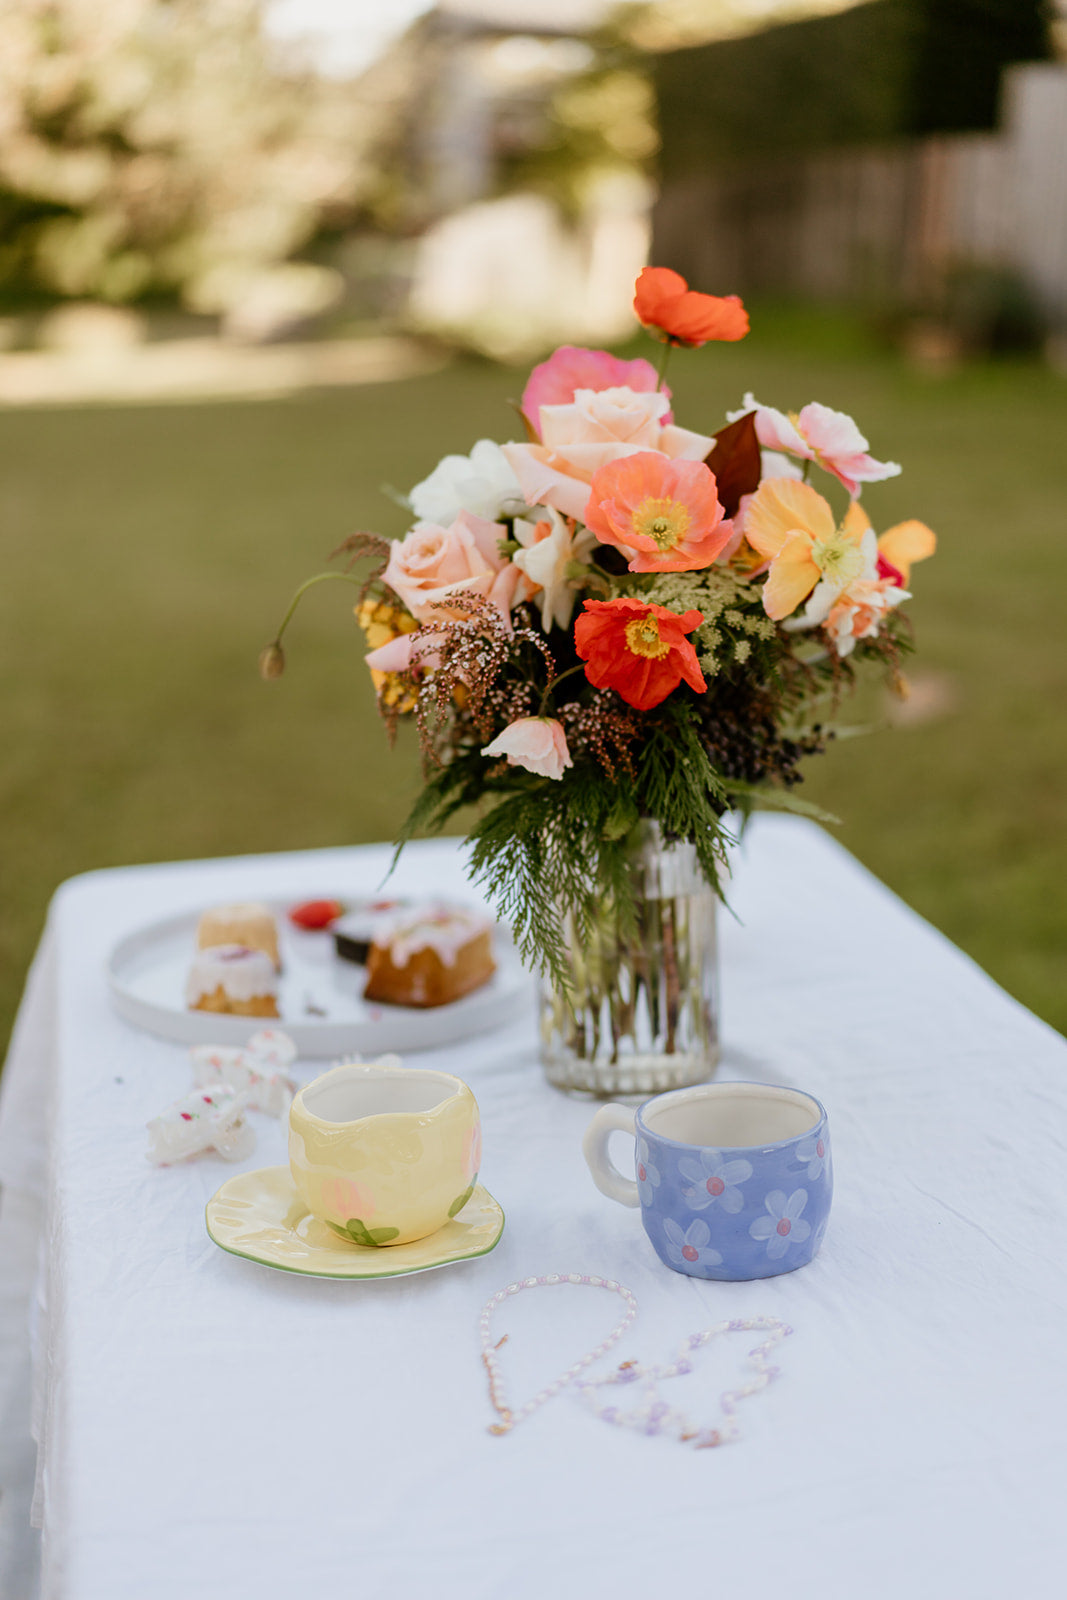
<point>639,650</point>
<point>664,300</point>
<point>316,913</point>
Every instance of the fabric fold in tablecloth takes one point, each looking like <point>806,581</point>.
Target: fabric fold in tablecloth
<point>214,1429</point>
<point>25,1091</point>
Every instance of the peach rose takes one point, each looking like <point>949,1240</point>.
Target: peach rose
<point>598,426</point>
<point>433,563</point>
<point>537,743</point>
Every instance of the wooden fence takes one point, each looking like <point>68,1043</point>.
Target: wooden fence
<point>887,223</point>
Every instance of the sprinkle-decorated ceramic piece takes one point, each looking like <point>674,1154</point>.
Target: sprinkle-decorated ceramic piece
<point>260,1216</point>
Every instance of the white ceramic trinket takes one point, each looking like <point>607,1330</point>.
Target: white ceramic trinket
<point>204,1119</point>
<point>256,1070</point>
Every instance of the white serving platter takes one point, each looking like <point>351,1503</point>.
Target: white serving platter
<point>319,997</point>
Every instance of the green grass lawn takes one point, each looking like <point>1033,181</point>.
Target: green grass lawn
<point>149,552</point>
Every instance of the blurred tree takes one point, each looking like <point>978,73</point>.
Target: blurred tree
<point>599,123</point>
<point>873,72</point>
<point>160,146</point>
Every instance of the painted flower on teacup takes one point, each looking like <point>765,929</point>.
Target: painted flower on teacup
<point>648,1179</point>
<point>690,1246</point>
<point>714,1181</point>
<point>346,1198</point>
<point>812,1156</point>
<point>783,1225</point>
<point>472,1151</point>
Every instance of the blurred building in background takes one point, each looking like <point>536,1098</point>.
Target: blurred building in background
<point>524,159</point>
<point>499,172</point>
<point>907,154</point>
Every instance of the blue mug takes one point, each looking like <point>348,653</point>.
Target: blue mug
<point>733,1179</point>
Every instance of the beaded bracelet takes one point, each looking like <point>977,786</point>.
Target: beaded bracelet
<point>654,1415</point>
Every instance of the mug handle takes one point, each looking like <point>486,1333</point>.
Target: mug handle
<point>606,1175</point>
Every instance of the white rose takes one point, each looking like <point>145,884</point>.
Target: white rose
<point>481,483</point>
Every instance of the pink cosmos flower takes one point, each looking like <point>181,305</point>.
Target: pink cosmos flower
<point>433,563</point>
<point>537,743</point>
<point>570,368</point>
<point>818,434</point>
<point>664,515</point>
<point>595,428</point>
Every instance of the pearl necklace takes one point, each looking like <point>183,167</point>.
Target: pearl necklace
<point>508,1418</point>
<point>653,1416</point>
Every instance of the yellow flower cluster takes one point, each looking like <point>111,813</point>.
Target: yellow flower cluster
<point>382,622</point>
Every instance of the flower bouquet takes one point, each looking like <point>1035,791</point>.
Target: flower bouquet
<point>611,634</point>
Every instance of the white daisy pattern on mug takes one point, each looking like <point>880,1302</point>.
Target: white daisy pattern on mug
<point>812,1154</point>
<point>648,1179</point>
<point>714,1181</point>
<point>783,1225</point>
<point>691,1247</point>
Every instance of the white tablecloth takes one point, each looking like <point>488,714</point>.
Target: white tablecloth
<point>210,1428</point>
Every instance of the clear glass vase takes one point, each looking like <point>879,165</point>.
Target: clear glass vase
<point>642,1013</point>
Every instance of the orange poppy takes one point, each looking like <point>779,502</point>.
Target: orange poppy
<point>664,300</point>
<point>664,515</point>
<point>637,649</point>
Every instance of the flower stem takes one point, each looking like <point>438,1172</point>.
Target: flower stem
<point>553,682</point>
<point>321,577</point>
<point>661,365</point>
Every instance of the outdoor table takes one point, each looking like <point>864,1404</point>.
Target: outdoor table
<point>208,1427</point>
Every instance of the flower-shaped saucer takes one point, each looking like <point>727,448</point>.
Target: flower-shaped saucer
<point>260,1216</point>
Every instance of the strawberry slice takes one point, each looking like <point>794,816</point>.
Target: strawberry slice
<point>314,914</point>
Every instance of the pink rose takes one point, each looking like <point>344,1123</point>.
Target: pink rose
<point>434,563</point>
<point>598,426</point>
<point>570,368</point>
<point>537,743</point>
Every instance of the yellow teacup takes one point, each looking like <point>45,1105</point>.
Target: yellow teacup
<point>384,1154</point>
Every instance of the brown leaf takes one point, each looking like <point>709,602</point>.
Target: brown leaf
<point>735,461</point>
<point>532,435</point>
<point>359,545</point>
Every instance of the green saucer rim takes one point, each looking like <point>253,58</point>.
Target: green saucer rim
<point>361,1277</point>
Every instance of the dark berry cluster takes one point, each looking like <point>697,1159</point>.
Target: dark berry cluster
<point>739,731</point>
